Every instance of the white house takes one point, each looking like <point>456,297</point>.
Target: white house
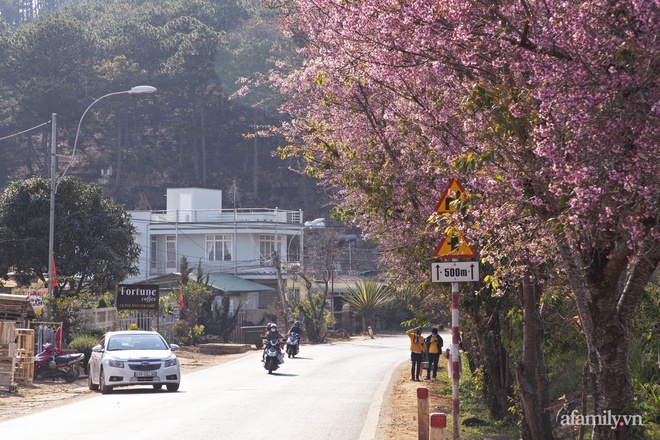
<point>233,245</point>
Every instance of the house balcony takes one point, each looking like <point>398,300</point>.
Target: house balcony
<point>245,215</point>
<point>243,268</point>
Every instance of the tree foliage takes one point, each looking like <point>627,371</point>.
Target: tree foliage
<point>94,246</point>
<point>547,112</point>
<point>190,133</point>
<point>222,320</point>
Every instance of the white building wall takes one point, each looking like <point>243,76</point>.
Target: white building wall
<point>203,215</point>
<point>188,199</point>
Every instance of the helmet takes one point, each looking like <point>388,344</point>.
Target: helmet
<point>273,328</point>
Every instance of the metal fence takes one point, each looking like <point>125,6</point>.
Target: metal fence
<point>146,321</point>
<point>108,319</point>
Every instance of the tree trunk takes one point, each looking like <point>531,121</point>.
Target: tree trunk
<point>203,146</point>
<point>531,372</point>
<point>490,355</point>
<point>608,287</point>
<point>120,146</point>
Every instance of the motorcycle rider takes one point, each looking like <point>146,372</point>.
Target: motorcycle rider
<point>268,326</point>
<point>296,329</point>
<point>271,334</point>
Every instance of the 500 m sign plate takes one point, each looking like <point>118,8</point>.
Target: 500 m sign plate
<point>455,271</point>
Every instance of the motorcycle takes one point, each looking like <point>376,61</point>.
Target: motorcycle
<point>273,355</point>
<point>293,344</point>
<point>48,364</point>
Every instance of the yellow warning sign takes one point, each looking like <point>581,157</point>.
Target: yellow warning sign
<point>453,192</point>
<point>454,245</point>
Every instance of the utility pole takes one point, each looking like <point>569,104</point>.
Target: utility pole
<point>280,288</point>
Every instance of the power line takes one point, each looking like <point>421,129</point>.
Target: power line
<point>24,131</point>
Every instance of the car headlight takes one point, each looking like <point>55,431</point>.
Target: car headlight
<point>170,362</point>
<point>116,364</point>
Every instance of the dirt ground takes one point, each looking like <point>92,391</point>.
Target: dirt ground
<point>398,418</point>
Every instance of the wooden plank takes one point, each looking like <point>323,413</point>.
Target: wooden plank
<point>7,331</point>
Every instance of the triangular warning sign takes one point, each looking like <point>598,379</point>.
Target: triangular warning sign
<point>453,192</point>
<point>454,245</point>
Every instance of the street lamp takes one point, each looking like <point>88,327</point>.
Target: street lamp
<point>316,223</point>
<point>137,90</point>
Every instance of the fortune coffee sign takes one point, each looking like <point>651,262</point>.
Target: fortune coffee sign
<point>137,297</point>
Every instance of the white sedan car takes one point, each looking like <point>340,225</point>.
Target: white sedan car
<point>127,358</point>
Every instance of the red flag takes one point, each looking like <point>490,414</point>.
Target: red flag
<point>53,282</point>
<point>180,299</point>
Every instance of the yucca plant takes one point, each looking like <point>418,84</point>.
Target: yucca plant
<point>367,298</point>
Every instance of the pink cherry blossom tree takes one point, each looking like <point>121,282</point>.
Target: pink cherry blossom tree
<point>547,111</point>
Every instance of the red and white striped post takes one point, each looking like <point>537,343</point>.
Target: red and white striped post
<point>422,413</point>
<point>455,359</point>
<point>438,426</point>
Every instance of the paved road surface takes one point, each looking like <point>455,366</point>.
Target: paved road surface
<point>330,391</point>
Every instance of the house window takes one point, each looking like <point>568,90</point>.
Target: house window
<point>171,251</point>
<point>267,247</point>
<point>294,294</point>
<point>154,253</point>
<point>268,299</point>
<point>218,247</point>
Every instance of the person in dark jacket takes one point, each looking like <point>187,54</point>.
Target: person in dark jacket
<point>433,349</point>
<point>296,328</point>
<point>270,335</point>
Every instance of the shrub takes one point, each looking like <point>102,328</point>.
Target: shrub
<point>182,333</point>
<point>84,344</point>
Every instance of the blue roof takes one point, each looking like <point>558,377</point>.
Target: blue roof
<point>231,283</point>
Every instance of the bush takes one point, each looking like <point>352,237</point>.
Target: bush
<point>184,334</point>
<point>84,344</point>
<point>181,333</point>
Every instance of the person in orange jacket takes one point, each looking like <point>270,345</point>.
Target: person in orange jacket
<point>417,348</point>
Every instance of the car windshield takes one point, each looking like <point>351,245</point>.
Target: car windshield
<point>136,342</point>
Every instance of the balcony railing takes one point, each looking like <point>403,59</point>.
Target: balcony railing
<point>227,216</point>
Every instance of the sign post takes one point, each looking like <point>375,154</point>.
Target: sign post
<point>452,247</point>
<point>454,271</point>
<point>137,297</point>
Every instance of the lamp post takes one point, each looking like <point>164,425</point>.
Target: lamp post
<point>316,223</point>
<point>278,267</point>
<point>137,90</point>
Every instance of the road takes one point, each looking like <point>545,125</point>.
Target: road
<point>330,391</point>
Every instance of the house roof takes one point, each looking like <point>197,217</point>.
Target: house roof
<point>231,283</point>
<point>220,281</point>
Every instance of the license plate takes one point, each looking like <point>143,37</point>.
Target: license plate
<point>146,373</point>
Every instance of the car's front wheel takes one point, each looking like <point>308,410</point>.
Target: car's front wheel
<point>157,386</point>
<point>172,387</point>
<point>105,389</point>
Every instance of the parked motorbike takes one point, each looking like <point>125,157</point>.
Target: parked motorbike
<point>48,364</point>
<point>273,355</point>
<point>293,344</point>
